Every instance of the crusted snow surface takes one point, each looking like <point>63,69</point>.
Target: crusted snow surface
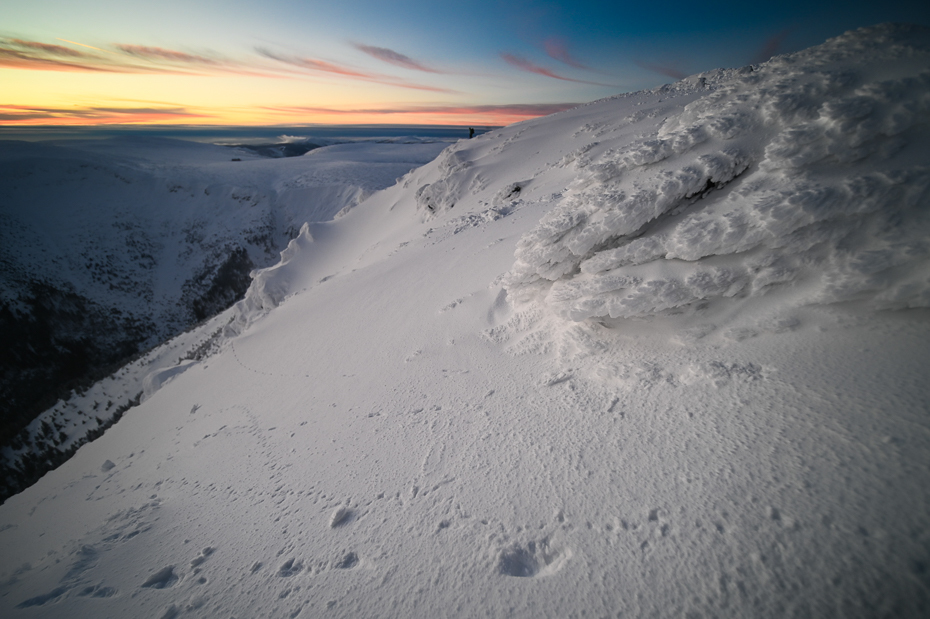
<point>400,422</point>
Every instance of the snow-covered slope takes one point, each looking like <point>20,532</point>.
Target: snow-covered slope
<point>109,247</point>
<point>660,355</point>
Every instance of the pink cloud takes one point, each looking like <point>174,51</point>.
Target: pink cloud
<point>515,109</point>
<point>322,66</point>
<point>35,55</point>
<point>394,58</point>
<point>526,65</point>
<point>46,48</point>
<point>18,59</point>
<point>161,54</point>
<point>557,49</point>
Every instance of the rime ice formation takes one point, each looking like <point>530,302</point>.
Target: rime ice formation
<point>806,173</point>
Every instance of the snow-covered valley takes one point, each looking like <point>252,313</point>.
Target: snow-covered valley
<point>659,355</point>
<point>110,247</point>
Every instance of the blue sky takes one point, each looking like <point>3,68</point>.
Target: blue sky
<point>289,61</point>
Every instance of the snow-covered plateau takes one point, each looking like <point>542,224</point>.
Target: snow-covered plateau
<point>661,355</point>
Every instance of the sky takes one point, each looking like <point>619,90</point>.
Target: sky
<point>295,62</point>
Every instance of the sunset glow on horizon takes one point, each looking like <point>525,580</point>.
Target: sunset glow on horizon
<point>280,62</point>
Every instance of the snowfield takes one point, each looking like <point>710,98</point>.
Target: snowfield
<point>660,355</point>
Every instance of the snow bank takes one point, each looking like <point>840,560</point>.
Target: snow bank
<point>155,380</point>
<point>270,286</point>
<point>801,177</point>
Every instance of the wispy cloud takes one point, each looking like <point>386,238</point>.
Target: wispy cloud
<point>47,48</point>
<point>20,54</point>
<point>394,58</point>
<point>97,115</point>
<point>170,60</point>
<point>525,65</point>
<point>517,110</point>
<point>134,58</point>
<point>557,48</point>
<point>122,58</point>
<point>667,70</point>
<point>106,51</point>
<point>159,54</point>
<point>512,109</point>
<point>314,65</point>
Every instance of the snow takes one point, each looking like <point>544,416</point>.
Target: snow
<point>655,356</point>
<point>140,228</point>
<point>135,221</point>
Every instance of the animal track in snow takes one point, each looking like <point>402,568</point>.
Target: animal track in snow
<point>347,562</point>
<point>721,373</point>
<point>452,305</point>
<point>413,355</point>
<point>206,552</point>
<point>290,568</point>
<point>533,560</point>
<point>162,579</point>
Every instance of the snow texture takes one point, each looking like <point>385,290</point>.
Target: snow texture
<point>802,176</point>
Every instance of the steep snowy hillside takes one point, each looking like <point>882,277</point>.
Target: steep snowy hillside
<point>660,355</point>
<point>109,247</point>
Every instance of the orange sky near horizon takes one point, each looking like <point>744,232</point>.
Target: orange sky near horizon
<point>69,83</point>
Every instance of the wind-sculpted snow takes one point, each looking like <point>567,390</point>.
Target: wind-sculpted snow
<point>269,286</point>
<point>803,176</point>
<point>442,194</point>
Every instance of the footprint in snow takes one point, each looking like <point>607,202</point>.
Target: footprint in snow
<point>550,380</point>
<point>532,560</point>
<point>206,552</point>
<point>290,568</point>
<point>347,562</point>
<point>162,579</point>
